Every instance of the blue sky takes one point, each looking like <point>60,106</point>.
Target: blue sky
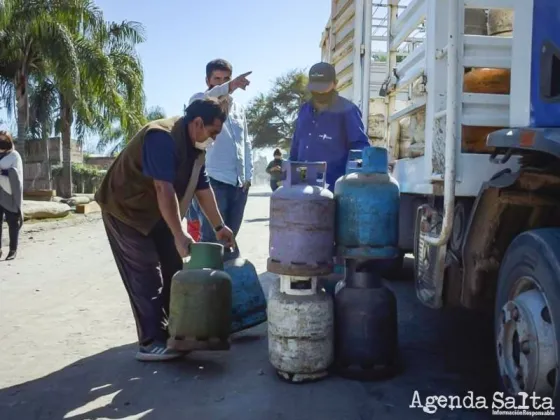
<point>269,37</point>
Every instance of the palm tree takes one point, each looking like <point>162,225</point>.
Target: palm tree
<point>35,39</point>
<point>121,49</point>
<point>5,13</point>
<point>111,84</point>
<point>84,21</point>
<point>115,139</point>
<point>43,102</point>
<point>64,47</point>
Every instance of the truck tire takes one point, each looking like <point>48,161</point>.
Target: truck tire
<point>527,314</point>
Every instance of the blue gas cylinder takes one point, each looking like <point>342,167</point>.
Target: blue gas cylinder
<point>248,301</point>
<point>354,162</point>
<point>367,210</point>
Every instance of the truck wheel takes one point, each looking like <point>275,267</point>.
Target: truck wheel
<point>527,314</point>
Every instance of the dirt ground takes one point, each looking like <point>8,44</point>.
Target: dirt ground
<point>68,337</point>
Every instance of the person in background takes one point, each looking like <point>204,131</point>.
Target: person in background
<point>143,198</point>
<point>274,168</point>
<point>328,126</point>
<point>229,161</point>
<point>11,192</point>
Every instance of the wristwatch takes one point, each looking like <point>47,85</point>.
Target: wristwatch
<point>218,228</point>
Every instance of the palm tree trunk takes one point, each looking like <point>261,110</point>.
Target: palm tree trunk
<point>47,157</point>
<point>66,133</point>
<point>22,103</point>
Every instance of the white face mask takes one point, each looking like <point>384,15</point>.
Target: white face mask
<point>204,144</point>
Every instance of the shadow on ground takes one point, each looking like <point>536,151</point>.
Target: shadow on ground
<point>444,353</point>
<point>260,194</point>
<point>258,220</point>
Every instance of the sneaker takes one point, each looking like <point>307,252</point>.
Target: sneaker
<point>157,352</point>
<point>11,255</point>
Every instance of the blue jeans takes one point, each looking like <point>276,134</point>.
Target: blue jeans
<point>274,185</point>
<point>231,203</point>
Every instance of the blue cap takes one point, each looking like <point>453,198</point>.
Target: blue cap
<point>321,77</point>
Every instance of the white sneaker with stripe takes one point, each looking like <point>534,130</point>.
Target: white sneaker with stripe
<point>157,352</point>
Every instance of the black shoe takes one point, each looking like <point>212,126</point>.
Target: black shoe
<point>11,255</point>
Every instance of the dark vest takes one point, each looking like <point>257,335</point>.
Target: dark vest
<point>130,196</point>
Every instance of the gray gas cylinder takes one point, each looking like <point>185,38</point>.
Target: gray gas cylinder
<point>300,329</point>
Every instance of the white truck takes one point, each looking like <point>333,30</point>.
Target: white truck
<point>471,120</point>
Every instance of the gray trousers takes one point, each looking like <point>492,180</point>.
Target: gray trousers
<point>146,265</point>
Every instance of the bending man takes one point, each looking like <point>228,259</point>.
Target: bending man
<point>144,197</point>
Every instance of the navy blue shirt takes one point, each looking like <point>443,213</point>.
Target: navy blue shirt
<point>160,161</point>
<point>327,136</point>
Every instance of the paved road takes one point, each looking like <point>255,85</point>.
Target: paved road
<point>67,338</point>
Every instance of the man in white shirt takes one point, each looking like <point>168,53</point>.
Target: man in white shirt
<point>229,160</point>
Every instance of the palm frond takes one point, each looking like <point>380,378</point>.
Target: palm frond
<point>43,101</point>
<point>57,44</point>
<point>126,32</point>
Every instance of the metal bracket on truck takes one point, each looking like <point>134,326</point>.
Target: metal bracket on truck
<point>429,261</point>
<point>509,204</point>
<point>545,140</point>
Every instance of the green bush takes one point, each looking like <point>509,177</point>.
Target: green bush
<point>85,178</point>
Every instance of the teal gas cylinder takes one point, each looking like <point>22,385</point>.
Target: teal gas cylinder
<point>367,210</point>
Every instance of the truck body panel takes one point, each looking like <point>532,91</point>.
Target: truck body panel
<point>345,45</point>
<point>417,85</point>
<point>478,166</point>
<point>544,107</point>
<point>545,140</point>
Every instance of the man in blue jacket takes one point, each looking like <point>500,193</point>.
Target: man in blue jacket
<point>328,126</point>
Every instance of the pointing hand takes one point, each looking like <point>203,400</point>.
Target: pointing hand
<point>239,82</point>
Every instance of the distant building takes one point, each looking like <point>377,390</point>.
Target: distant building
<point>34,170</point>
<point>101,162</point>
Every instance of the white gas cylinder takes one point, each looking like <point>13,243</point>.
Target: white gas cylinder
<point>300,329</point>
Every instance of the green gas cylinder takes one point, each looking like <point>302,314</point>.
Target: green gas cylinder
<point>200,302</point>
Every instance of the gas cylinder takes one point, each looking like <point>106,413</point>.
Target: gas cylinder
<point>354,161</point>
<point>300,329</point>
<point>200,301</point>
<point>354,164</point>
<point>328,283</point>
<point>302,215</point>
<point>367,210</point>
<point>248,301</point>
<point>366,327</point>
